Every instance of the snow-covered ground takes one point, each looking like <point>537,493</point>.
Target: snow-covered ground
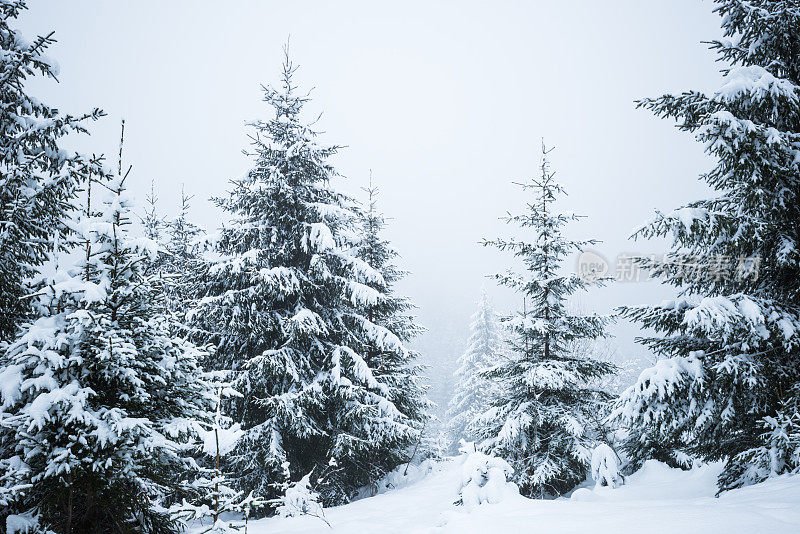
<point>656,499</point>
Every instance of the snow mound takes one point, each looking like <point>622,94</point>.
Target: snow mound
<point>483,480</point>
<point>658,481</point>
<point>606,467</point>
<point>403,476</point>
<point>300,499</point>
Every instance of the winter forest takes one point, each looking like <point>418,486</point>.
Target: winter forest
<point>414,302</point>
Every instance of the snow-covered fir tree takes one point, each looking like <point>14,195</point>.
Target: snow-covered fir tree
<point>183,245</point>
<point>178,263</point>
<point>153,222</point>
<point>38,179</point>
<point>286,306</point>
<point>728,376</point>
<point>153,226</point>
<point>183,261</point>
<point>393,365</point>
<point>97,398</point>
<point>473,391</point>
<point>538,422</point>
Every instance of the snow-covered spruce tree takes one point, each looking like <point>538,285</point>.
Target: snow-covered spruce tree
<point>183,245</point>
<point>38,180</point>
<point>153,226</point>
<point>285,307</point>
<point>152,222</point>
<point>730,362</point>
<point>182,259</point>
<point>473,391</point>
<point>97,399</point>
<point>538,421</point>
<point>394,365</point>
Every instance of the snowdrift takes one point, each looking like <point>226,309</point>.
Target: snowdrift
<point>657,499</point>
<point>483,481</point>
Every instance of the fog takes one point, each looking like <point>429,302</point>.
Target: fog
<point>446,103</point>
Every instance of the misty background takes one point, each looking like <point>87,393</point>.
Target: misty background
<point>446,103</point>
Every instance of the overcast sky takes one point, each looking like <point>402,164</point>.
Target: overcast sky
<point>446,102</point>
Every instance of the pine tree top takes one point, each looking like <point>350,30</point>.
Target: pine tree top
<point>545,325</point>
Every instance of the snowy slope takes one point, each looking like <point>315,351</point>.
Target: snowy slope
<point>657,499</point>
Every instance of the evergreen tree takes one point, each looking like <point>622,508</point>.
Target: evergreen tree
<point>284,307</point>
<point>97,398</point>
<point>38,180</point>
<point>473,391</point>
<point>153,226</point>
<point>177,264</point>
<point>152,223</point>
<point>183,263</point>
<point>538,422</point>
<point>183,244</point>
<point>393,365</point>
<point>729,346</point>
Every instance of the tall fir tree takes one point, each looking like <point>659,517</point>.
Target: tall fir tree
<point>179,262</point>
<point>473,391</point>
<point>538,422</point>
<point>38,179</point>
<point>285,307</point>
<point>393,365</point>
<point>98,400</point>
<point>726,384</point>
